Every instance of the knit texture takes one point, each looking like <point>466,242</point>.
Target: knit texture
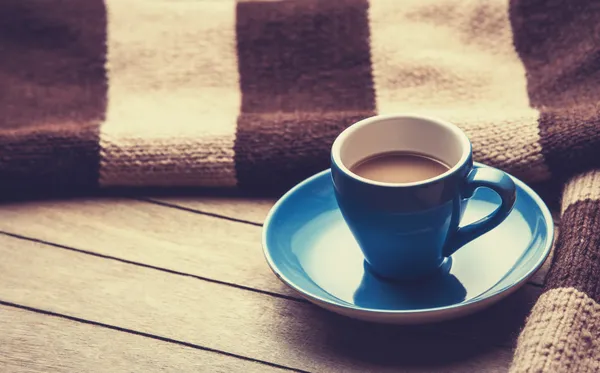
<point>133,93</point>
<point>562,334</point>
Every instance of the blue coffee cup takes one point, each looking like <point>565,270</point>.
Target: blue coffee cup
<point>407,231</point>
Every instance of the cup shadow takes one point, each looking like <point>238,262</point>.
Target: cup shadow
<point>439,290</point>
<point>338,342</point>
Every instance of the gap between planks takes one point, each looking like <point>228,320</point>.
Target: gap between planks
<point>219,318</point>
<point>80,345</point>
<point>167,270</point>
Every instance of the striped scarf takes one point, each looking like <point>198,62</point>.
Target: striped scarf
<point>98,94</point>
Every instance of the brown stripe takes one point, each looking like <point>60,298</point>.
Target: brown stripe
<point>52,93</point>
<point>576,261</point>
<point>305,74</point>
<point>570,140</point>
<point>561,335</point>
<point>557,42</point>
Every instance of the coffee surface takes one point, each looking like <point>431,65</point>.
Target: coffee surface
<point>399,167</point>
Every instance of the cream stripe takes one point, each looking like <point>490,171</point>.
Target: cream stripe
<point>174,95</point>
<point>581,187</point>
<point>562,334</point>
<point>455,59</point>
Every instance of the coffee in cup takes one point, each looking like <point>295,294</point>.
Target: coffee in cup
<point>399,167</point>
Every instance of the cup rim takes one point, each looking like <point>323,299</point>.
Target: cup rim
<point>337,144</point>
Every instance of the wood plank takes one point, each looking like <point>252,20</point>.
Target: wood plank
<point>154,235</point>
<point>208,247</point>
<point>241,322</point>
<point>252,210</point>
<point>33,342</point>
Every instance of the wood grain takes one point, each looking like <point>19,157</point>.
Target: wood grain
<point>252,210</point>
<point>33,342</point>
<point>241,322</point>
<point>197,244</point>
<point>208,247</point>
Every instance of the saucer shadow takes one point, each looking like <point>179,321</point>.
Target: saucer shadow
<point>329,340</point>
<point>439,290</point>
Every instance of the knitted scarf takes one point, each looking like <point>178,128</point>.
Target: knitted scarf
<point>97,94</point>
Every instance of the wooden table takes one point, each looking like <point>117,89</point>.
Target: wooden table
<point>181,284</point>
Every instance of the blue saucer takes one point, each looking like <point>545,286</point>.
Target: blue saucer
<point>309,247</point>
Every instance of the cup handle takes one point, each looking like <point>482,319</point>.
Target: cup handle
<point>499,182</point>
